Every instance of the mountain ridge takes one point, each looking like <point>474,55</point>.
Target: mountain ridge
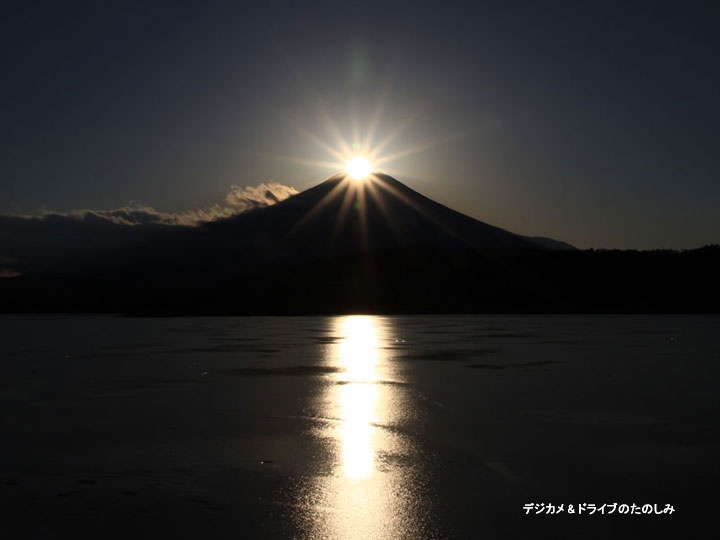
<point>340,215</point>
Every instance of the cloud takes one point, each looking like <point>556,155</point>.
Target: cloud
<point>247,198</point>
<point>90,240</point>
<point>238,200</point>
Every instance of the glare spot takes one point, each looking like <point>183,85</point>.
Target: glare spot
<point>359,349</point>
<point>358,354</point>
<point>358,167</point>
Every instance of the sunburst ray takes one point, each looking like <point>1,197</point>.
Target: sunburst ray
<point>357,188</point>
<point>419,148</point>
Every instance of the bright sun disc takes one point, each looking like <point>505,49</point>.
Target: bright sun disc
<point>358,167</point>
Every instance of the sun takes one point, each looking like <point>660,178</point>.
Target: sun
<point>358,167</point>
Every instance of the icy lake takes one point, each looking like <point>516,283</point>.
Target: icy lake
<point>358,427</point>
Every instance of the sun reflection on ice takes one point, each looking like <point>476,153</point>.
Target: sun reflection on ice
<point>356,431</point>
<point>374,489</point>
<point>358,354</point>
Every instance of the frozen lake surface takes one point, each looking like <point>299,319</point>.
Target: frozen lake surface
<point>360,427</point>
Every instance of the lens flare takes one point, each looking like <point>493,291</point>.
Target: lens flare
<point>358,167</point>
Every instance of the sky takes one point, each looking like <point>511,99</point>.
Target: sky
<point>595,123</point>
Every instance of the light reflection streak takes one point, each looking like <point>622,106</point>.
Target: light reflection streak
<point>366,496</point>
<point>358,400</point>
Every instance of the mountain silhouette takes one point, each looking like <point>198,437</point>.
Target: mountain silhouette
<point>336,217</point>
<point>341,215</point>
<point>344,246</point>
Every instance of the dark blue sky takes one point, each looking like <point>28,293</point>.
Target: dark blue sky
<point>591,122</point>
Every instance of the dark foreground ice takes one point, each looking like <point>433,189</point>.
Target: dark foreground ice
<point>358,427</point>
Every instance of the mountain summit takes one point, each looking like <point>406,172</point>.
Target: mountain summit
<point>342,215</point>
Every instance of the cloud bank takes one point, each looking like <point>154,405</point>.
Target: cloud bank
<point>57,241</point>
<point>238,200</point>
